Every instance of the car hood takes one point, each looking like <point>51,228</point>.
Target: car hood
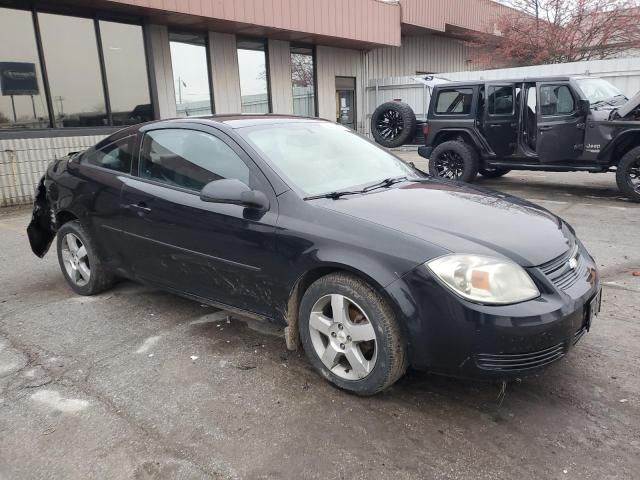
<point>463,219</point>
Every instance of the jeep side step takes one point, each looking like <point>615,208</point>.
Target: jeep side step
<point>551,168</point>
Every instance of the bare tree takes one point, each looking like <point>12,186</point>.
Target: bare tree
<point>301,70</point>
<point>556,31</point>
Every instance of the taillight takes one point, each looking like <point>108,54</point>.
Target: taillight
<point>425,129</point>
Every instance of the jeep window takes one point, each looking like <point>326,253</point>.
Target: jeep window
<point>455,101</point>
<point>500,100</point>
<point>556,100</point>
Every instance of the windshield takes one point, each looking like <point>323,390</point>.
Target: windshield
<point>321,157</point>
<point>598,90</point>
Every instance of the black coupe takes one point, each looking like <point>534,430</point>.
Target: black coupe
<point>369,263</point>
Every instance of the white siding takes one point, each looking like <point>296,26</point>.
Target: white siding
<point>24,161</point>
<point>162,71</point>
<point>225,73</point>
<point>280,77</point>
<point>424,53</point>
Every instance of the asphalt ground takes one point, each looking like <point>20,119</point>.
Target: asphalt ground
<point>138,383</point>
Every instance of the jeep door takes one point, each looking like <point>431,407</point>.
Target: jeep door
<point>500,125</point>
<point>560,124</point>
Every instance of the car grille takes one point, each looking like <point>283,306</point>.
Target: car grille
<point>520,361</point>
<point>559,271</point>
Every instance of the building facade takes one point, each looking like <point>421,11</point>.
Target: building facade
<point>74,71</point>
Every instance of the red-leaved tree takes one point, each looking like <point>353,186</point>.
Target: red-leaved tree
<point>537,32</point>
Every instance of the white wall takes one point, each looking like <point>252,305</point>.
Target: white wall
<point>280,77</point>
<point>225,75</point>
<point>162,71</point>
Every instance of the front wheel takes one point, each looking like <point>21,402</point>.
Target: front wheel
<point>454,160</point>
<point>494,172</point>
<point>350,334</point>
<point>628,174</point>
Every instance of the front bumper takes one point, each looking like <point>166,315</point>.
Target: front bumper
<point>447,334</point>
<point>425,152</point>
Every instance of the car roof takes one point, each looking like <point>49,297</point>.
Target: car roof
<point>241,120</point>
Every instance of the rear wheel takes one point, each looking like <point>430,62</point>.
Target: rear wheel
<point>350,334</point>
<point>493,172</point>
<point>454,160</point>
<point>80,265</point>
<point>628,174</point>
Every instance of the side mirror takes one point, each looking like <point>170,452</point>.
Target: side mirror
<point>233,192</point>
<point>584,106</point>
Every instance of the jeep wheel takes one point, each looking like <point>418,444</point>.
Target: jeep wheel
<point>493,172</point>
<point>454,160</point>
<point>393,124</point>
<point>628,174</point>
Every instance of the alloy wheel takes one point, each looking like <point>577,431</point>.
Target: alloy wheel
<point>343,337</point>
<point>390,125</point>
<point>75,259</point>
<point>633,175</point>
<point>449,165</point>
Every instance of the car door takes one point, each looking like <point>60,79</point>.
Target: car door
<point>501,118</point>
<point>219,252</point>
<point>560,124</point>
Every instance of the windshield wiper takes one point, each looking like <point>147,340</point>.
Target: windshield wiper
<point>333,195</point>
<point>386,183</point>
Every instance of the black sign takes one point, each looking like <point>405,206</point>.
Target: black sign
<point>18,78</point>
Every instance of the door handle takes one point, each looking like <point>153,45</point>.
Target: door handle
<point>545,128</point>
<point>140,207</point>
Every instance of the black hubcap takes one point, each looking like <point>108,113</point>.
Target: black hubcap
<point>449,165</point>
<point>390,124</point>
<point>633,175</point>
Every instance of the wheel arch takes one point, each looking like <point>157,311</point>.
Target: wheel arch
<point>620,145</point>
<point>463,135</point>
<point>305,280</point>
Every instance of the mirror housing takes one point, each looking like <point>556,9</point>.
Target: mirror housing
<point>233,192</point>
<point>584,106</point>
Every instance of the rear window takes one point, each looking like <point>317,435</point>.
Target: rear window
<point>454,101</point>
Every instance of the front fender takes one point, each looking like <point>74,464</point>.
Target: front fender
<point>622,141</point>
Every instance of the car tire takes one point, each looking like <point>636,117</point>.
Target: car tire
<point>454,160</point>
<point>83,270</point>
<point>628,174</point>
<point>494,172</point>
<point>378,363</point>
<point>393,124</point>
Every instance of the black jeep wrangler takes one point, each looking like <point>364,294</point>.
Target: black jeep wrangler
<point>556,124</point>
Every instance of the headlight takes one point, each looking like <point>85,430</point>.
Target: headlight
<point>484,279</point>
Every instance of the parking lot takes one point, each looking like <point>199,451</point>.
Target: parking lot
<point>138,383</point>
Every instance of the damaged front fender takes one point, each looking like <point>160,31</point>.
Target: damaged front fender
<point>41,229</point>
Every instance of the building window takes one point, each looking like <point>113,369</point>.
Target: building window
<point>126,69</point>
<point>73,69</point>
<point>303,81</point>
<point>254,76</point>
<point>22,100</point>
<point>190,63</point>
<point>79,54</point>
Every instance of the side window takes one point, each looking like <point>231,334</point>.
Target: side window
<point>454,101</point>
<point>556,100</point>
<point>189,159</point>
<point>115,156</point>
<point>500,100</point>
